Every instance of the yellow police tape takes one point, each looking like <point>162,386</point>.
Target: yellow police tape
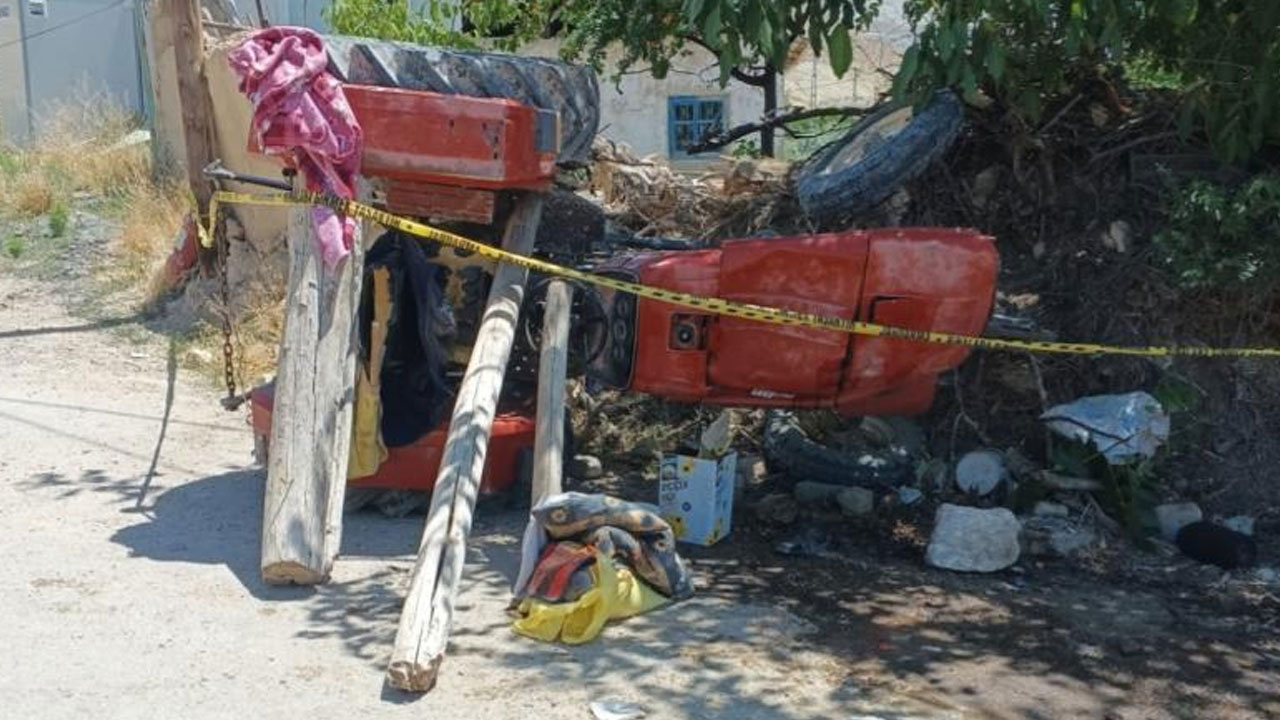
<point>715,306</point>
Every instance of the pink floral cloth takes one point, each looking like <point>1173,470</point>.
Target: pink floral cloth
<point>300,110</point>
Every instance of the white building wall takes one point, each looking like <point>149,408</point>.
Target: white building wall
<point>633,110</point>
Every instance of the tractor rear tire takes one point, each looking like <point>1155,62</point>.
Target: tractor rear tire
<point>569,90</point>
<point>884,151</point>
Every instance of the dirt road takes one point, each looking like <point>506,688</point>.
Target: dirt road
<point>123,605</point>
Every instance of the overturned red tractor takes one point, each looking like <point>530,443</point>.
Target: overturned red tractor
<point>436,151</point>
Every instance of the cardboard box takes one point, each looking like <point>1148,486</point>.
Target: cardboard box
<point>696,496</point>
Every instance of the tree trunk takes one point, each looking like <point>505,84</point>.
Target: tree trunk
<point>553,362</point>
<point>197,109</point>
<point>311,427</point>
<point>770,87</point>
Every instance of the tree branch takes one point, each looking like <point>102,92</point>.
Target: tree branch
<point>758,78</point>
<point>716,141</point>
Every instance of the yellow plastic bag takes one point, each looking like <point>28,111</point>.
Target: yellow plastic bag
<point>617,594</point>
<point>367,449</point>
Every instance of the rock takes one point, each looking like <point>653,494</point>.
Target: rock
<point>750,473</point>
<point>856,501</point>
<point>586,467</point>
<point>1055,536</point>
<point>980,471</point>
<point>1099,115</point>
<point>616,710</point>
<point>1118,236</point>
<point>1070,541</point>
<point>1173,516</point>
<point>198,356</point>
<point>909,495</point>
<point>752,470</point>
<point>934,474</point>
<point>814,493</point>
<point>984,183</point>
<point>1051,509</point>
<point>973,539</point>
<point>1216,545</point>
<point>777,508</point>
<point>1266,575</point>
<point>1242,524</point>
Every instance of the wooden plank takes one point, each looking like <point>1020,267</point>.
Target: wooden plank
<point>428,609</point>
<point>553,365</point>
<point>311,426</point>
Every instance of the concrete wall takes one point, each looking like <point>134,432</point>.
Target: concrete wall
<point>232,115</point>
<point>634,110</point>
<point>69,51</point>
<point>13,75</point>
<point>810,82</point>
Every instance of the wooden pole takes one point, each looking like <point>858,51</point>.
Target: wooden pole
<point>197,108</point>
<point>311,424</point>
<point>428,608</point>
<point>553,365</point>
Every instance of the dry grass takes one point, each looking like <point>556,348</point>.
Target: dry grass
<point>258,324</point>
<point>151,218</point>
<point>78,150</point>
<point>78,157</point>
<point>259,327</point>
<point>82,152</point>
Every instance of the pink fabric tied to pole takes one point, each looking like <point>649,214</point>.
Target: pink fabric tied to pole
<point>299,109</point>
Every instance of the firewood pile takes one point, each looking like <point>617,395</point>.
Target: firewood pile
<point>733,197</point>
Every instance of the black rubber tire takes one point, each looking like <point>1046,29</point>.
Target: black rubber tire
<point>830,195</point>
<point>570,90</point>
<point>572,227</point>
<point>788,448</point>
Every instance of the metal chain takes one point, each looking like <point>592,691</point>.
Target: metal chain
<point>232,401</point>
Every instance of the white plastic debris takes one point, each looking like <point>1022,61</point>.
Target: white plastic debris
<point>615,710</point>
<point>1122,427</point>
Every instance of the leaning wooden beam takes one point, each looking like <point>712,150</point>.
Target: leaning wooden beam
<point>311,426</point>
<point>428,608</point>
<point>193,94</point>
<point>553,364</point>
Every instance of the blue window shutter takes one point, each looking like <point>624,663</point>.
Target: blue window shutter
<point>689,119</point>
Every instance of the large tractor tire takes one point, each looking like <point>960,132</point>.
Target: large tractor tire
<point>880,154</point>
<point>570,90</point>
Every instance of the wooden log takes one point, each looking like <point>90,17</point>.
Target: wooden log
<point>311,425</point>
<point>197,108</point>
<point>553,364</point>
<point>428,608</point>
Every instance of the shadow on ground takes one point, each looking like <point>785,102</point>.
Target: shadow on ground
<point>1000,646</point>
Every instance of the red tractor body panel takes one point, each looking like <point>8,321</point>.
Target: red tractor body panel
<point>416,465</point>
<point>444,156</point>
<point>416,136</point>
<point>920,279</point>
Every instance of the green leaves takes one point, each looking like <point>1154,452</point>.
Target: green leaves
<point>711,26</point>
<point>1221,57</point>
<point>994,61</point>
<point>907,71</point>
<point>840,48</point>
